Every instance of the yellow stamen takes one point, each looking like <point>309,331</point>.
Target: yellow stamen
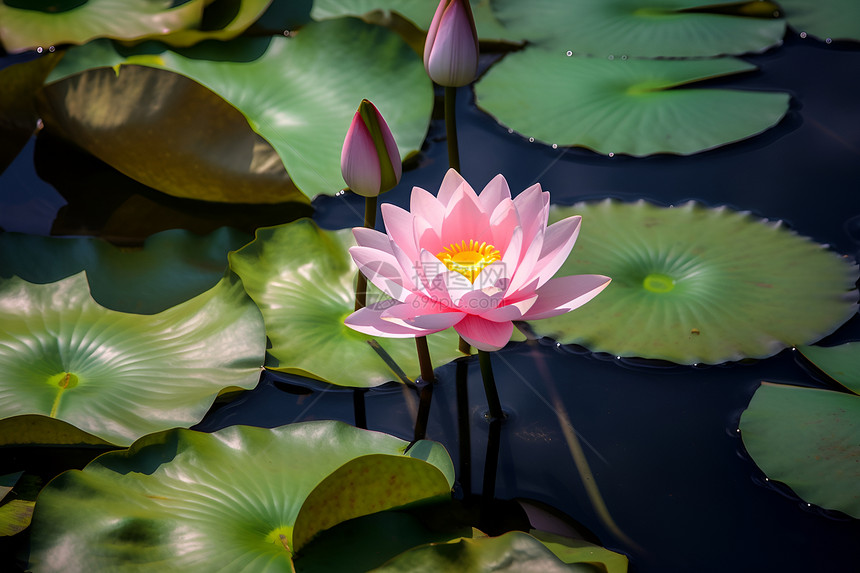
<point>469,260</point>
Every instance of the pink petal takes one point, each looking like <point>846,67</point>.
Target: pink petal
<point>509,312</point>
<point>450,183</point>
<point>465,220</point>
<point>557,243</point>
<point>453,57</point>
<point>368,320</point>
<point>495,192</point>
<point>563,294</point>
<point>532,206</point>
<point>480,301</point>
<point>527,267</point>
<point>503,221</point>
<point>371,238</point>
<point>399,225</point>
<point>421,312</point>
<point>383,270</point>
<point>484,334</point>
<point>425,206</point>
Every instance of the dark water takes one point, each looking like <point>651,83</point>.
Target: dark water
<point>661,441</point>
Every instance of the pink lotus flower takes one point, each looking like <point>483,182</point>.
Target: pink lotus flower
<point>471,262</point>
<point>451,47</point>
<point>370,161</point>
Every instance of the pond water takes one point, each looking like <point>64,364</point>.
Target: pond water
<point>661,440</point>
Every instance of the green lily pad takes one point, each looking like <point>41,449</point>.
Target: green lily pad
<point>17,500</point>
<point>119,376</point>
<point>518,551</point>
<point>643,28</point>
<point>27,25</point>
<point>419,13</point>
<point>697,285</point>
<point>210,502</point>
<point>842,363</point>
<point>222,20</point>
<point>303,280</point>
<point>299,93</point>
<point>171,267</point>
<point>580,551</point>
<point>624,106</point>
<point>808,439</point>
<point>825,19</point>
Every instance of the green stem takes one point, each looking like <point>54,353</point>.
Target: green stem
<point>451,128</point>
<point>465,347</point>
<point>370,223</point>
<point>425,400</point>
<point>464,433</point>
<point>493,402</point>
<point>424,359</point>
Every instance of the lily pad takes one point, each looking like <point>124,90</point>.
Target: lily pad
<point>518,551</point>
<point>419,13</point>
<point>27,25</point>
<point>119,376</point>
<point>842,363</point>
<point>580,551</point>
<point>808,439</point>
<point>824,19</point>
<point>697,285</point>
<point>624,106</point>
<point>303,280</point>
<point>226,501</point>
<point>643,28</point>
<point>17,500</point>
<point>222,20</point>
<point>298,93</point>
<point>171,267</point>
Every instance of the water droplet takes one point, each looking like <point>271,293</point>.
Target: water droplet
<point>624,57</point>
<point>39,50</point>
<point>555,145</point>
<point>510,131</point>
<point>803,34</point>
<point>611,154</point>
<point>569,53</point>
<point>39,123</point>
<point>52,49</point>
<point>531,139</point>
<point>611,57</point>
<point>287,33</point>
<point>828,40</point>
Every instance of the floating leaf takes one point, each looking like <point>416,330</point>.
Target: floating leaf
<point>302,278</point>
<point>171,267</point>
<point>226,501</point>
<point>298,93</point>
<point>119,376</point>
<point>842,363</point>
<point>825,19</point>
<point>26,25</point>
<point>222,20</point>
<point>580,551</point>
<point>692,284</point>
<point>517,551</point>
<point>18,496</point>
<point>624,106</point>
<point>808,439</point>
<point>643,28</point>
<point>419,13</point>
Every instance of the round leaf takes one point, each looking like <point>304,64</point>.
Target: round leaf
<point>825,19</point>
<point>810,440</point>
<point>692,284</point>
<point>642,28</point>
<point>192,501</point>
<point>119,376</point>
<point>298,93</point>
<point>27,28</point>
<point>624,106</point>
<point>171,267</point>
<point>303,280</point>
<point>842,363</point>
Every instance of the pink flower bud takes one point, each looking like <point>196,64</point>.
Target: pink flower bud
<point>451,48</point>
<point>370,162</point>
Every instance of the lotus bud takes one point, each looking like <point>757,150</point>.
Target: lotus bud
<point>451,48</point>
<point>370,162</point>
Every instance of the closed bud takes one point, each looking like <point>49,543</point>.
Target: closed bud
<point>451,48</point>
<point>370,162</point>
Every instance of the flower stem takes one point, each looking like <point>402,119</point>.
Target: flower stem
<point>464,434</point>
<point>424,359</point>
<point>451,128</point>
<point>358,408</point>
<point>370,223</point>
<point>493,402</point>
<point>424,401</point>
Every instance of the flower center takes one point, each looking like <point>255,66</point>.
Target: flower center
<point>469,259</point>
<point>657,282</point>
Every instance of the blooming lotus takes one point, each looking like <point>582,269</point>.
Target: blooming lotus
<point>451,46</point>
<point>472,262</point>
